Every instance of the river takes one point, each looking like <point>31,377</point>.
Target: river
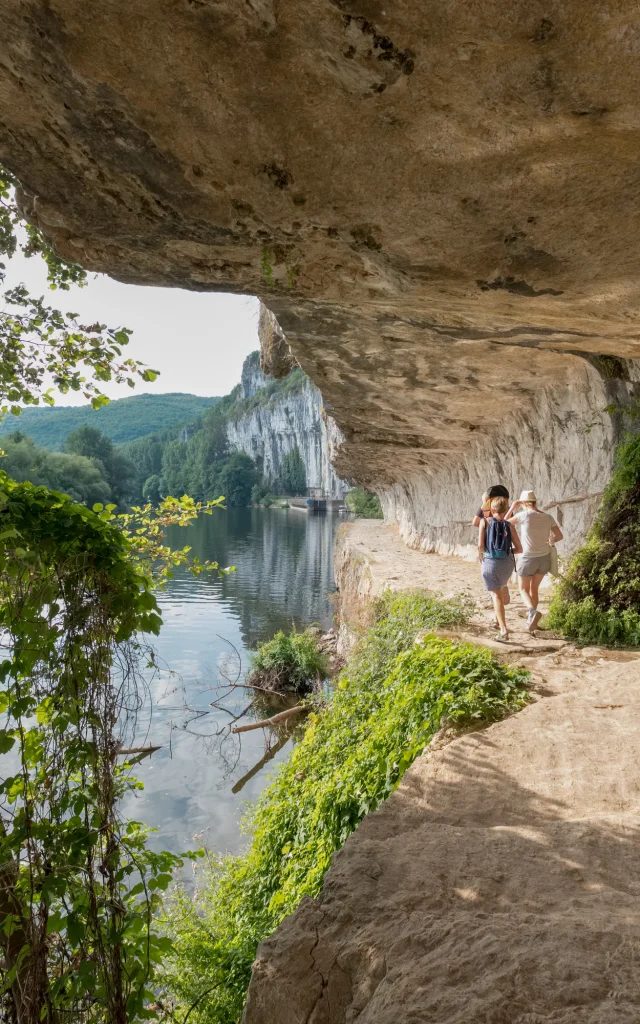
<point>284,576</point>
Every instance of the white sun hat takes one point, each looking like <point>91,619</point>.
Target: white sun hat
<point>528,496</point>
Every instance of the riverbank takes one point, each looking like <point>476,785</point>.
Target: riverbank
<point>500,880</point>
<point>389,702</point>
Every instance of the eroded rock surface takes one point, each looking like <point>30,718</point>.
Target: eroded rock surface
<point>437,200</point>
<point>289,420</point>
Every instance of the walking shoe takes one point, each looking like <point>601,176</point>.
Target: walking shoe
<point>535,619</point>
<point>530,613</point>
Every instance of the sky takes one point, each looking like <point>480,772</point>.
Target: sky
<point>197,340</point>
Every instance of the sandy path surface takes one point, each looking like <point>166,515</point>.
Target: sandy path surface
<point>500,884</point>
<point>371,558</point>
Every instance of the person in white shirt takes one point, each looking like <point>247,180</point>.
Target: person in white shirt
<point>538,531</point>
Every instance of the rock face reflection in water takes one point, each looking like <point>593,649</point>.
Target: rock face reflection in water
<point>284,576</point>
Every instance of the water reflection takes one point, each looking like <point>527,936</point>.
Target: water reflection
<point>196,784</point>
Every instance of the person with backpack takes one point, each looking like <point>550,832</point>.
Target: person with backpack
<point>484,512</point>
<point>498,541</point>
<point>539,532</point>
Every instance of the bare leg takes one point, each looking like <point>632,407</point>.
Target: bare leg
<point>535,586</point>
<point>506,596</point>
<point>499,610</point>
<point>524,583</point>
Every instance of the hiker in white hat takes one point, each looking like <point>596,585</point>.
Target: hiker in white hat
<point>538,531</point>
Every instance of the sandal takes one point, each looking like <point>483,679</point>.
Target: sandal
<point>504,636</point>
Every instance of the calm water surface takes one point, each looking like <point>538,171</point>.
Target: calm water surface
<point>284,562</point>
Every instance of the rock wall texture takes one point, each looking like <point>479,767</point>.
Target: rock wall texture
<point>438,200</point>
<point>562,447</point>
<point>285,421</point>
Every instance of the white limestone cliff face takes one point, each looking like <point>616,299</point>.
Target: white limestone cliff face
<point>285,421</point>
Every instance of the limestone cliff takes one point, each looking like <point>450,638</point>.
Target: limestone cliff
<point>274,421</point>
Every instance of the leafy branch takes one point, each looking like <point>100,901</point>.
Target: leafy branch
<point>39,343</point>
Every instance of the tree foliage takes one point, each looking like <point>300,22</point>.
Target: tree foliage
<point>123,420</point>
<point>75,475</point>
<point>364,504</point>
<point>293,475</point>
<point>78,888</point>
<point>41,345</point>
<point>205,467</point>
<point>119,471</point>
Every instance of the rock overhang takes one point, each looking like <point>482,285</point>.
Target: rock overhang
<point>438,201</point>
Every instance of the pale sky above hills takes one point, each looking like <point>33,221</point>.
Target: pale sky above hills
<point>197,341</point>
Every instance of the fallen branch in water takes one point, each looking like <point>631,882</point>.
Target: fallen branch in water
<point>280,717</point>
<point>137,750</point>
<point>270,754</point>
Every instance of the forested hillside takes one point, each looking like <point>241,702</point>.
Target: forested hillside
<point>143,448</point>
<point>124,419</point>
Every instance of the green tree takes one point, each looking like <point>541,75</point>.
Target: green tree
<point>152,489</point>
<point>207,451</point>
<point>91,443</point>
<point>364,504</point>
<point>293,475</point>
<point>237,479</point>
<point>146,455</point>
<point>81,478</point>
<point>174,460</point>
<point>118,469</point>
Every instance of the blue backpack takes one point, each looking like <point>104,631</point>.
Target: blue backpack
<point>497,538</point>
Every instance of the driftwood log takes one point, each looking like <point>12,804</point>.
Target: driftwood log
<point>274,720</point>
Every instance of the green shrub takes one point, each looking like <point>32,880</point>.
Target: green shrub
<point>598,599</point>
<point>289,661</point>
<point>388,703</point>
<point>364,504</point>
<point>585,623</point>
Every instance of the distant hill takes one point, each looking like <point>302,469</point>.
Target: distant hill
<point>124,419</point>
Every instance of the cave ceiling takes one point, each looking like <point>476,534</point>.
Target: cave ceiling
<point>438,199</point>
